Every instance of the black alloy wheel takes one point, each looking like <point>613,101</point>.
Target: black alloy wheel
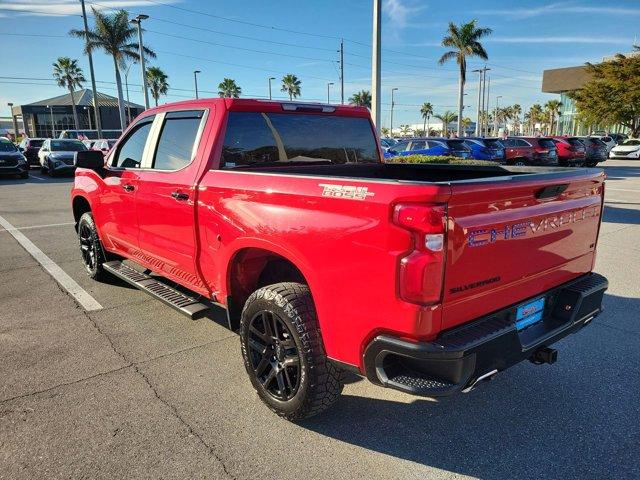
<point>273,355</point>
<point>88,247</point>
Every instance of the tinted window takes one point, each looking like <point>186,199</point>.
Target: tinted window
<point>130,152</point>
<point>7,146</point>
<point>67,146</point>
<point>546,143</point>
<point>631,142</point>
<point>575,142</point>
<point>418,145</point>
<point>35,143</point>
<point>493,143</point>
<point>177,137</point>
<point>457,145</point>
<point>521,143</point>
<point>260,138</point>
<point>400,146</point>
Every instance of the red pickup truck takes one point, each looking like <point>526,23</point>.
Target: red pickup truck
<point>423,278</point>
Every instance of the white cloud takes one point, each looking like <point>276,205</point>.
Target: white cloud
<point>562,39</point>
<point>399,12</point>
<point>558,8</point>
<point>45,8</point>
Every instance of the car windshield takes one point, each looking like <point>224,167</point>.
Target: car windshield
<point>67,146</point>
<point>7,146</point>
<point>628,143</point>
<point>273,138</point>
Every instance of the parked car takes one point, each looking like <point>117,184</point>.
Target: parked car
<point>627,149</point>
<point>486,148</point>
<point>57,155</point>
<point>103,146</point>
<point>12,162</point>
<point>418,146</point>
<point>30,148</point>
<point>570,153</point>
<point>329,260</point>
<point>456,146</point>
<point>596,150</point>
<point>608,140</point>
<point>619,137</point>
<point>89,134</point>
<point>540,151</point>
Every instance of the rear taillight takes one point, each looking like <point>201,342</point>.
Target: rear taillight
<point>421,271</point>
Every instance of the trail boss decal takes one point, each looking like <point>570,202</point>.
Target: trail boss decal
<point>486,236</point>
<point>350,192</point>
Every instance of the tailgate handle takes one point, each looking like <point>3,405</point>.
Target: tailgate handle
<point>551,191</point>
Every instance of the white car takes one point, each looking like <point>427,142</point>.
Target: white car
<point>608,141</point>
<point>627,149</point>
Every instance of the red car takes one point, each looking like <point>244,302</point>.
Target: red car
<point>538,151</point>
<point>423,278</point>
<point>571,152</point>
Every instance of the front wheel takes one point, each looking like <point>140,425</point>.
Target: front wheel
<point>283,352</point>
<point>90,247</point>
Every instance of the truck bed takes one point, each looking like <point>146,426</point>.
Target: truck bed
<point>431,173</point>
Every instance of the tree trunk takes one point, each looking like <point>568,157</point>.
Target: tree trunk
<point>73,106</point>
<point>123,121</point>
<point>460,104</point>
<point>424,127</point>
<point>290,96</point>
<point>428,128</point>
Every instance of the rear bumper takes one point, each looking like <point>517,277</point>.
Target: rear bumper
<point>460,356</point>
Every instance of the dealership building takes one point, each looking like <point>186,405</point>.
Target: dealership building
<point>564,81</point>
<point>47,118</point>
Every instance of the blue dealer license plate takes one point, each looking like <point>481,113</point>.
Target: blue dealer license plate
<point>529,313</point>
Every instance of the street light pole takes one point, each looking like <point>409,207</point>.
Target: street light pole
<point>341,71</point>
<point>138,21</point>
<point>392,105</point>
<point>495,117</point>
<point>328,98</point>
<point>126,86</point>
<point>375,64</point>
<point>96,104</point>
<point>488,106</point>
<point>270,78</point>
<point>53,127</point>
<point>195,80</point>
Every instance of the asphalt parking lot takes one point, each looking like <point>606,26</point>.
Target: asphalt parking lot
<point>135,390</point>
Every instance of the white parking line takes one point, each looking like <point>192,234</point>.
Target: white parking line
<point>637,190</point>
<point>69,284</point>
<point>30,227</point>
<point>37,177</point>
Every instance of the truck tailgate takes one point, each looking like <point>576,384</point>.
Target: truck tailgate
<point>509,240</point>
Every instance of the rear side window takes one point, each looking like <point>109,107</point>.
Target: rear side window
<point>267,138</point>
<point>492,143</point>
<point>575,142</point>
<point>457,145</point>
<point>418,145</point>
<point>521,143</point>
<point>129,154</point>
<point>546,143</point>
<point>177,140</point>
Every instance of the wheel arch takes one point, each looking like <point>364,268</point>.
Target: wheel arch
<point>80,205</point>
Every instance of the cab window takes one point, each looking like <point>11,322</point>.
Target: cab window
<point>177,140</point>
<point>131,149</point>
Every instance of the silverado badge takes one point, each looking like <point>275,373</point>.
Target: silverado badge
<point>345,191</point>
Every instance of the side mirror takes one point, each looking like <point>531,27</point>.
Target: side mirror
<point>90,159</point>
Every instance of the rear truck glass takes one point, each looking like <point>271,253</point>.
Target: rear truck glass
<point>254,139</point>
<point>67,146</point>
<point>178,135</point>
<point>129,154</point>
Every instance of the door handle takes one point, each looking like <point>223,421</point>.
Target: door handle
<point>128,187</point>
<point>179,195</point>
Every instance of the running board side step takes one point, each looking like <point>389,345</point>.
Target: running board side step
<point>184,304</point>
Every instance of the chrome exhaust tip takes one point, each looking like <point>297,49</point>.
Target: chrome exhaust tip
<point>482,378</point>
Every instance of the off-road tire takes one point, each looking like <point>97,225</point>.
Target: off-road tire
<point>87,230</point>
<point>320,381</point>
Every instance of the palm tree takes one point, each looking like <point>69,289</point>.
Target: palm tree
<point>385,131</point>
<point>426,110</point>
<point>157,81</point>
<point>535,116</point>
<point>114,34</point>
<point>361,99</point>
<point>552,108</point>
<point>291,85</point>
<point>405,130</point>
<point>516,111</point>
<point>228,88</point>
<point>466,121</point>
<point>465,43</point>
<point>446,118</point>
<point>69,75</point>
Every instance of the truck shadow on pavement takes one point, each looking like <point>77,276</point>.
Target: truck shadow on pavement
<point>616,214</point>
<point>622,173</point>
<point>570,420</point>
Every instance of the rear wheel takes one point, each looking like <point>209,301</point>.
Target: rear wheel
<point>283,352</point>
<point>519,162</point>
<point>91,247</point>
<point>52,172</point>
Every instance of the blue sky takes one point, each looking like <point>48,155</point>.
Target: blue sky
<point>251,40</point>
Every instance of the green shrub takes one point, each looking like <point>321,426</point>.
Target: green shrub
<point>438,159</point>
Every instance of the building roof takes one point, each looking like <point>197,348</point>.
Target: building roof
<point>567,79</point>
<point>83,98</point>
